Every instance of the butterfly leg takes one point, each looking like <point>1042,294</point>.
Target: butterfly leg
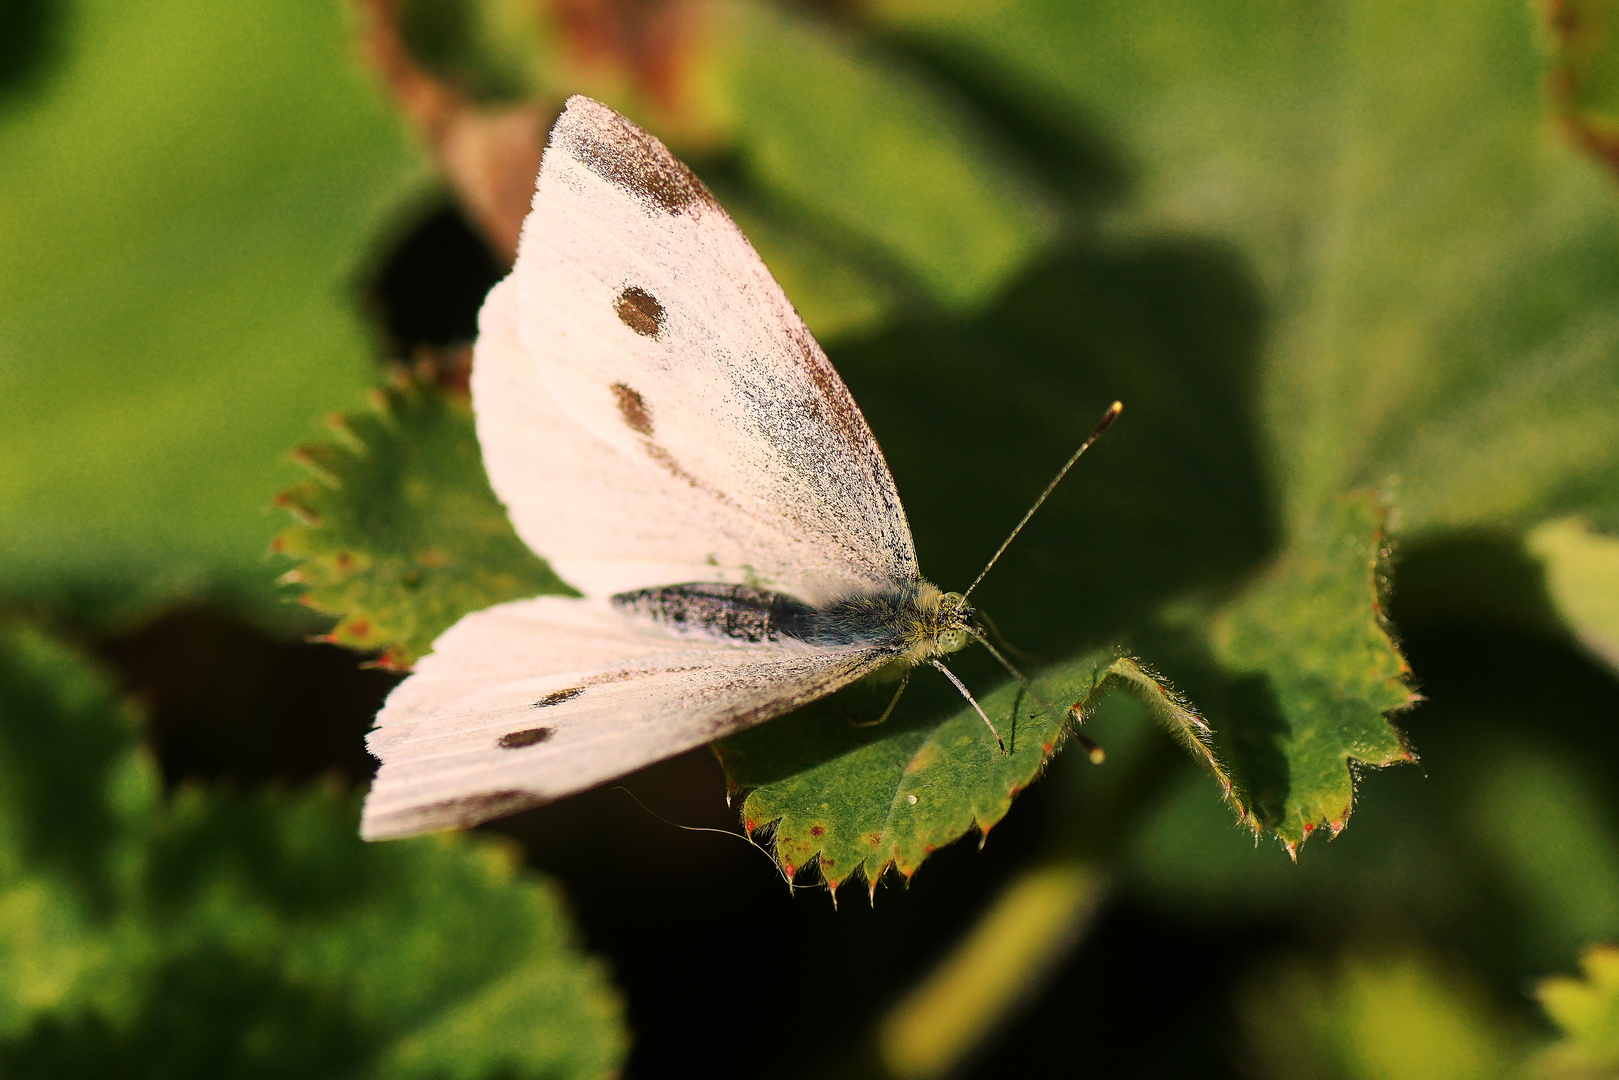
<point>960,686</point>
<point>1096,753</point>
<point>904,681</point>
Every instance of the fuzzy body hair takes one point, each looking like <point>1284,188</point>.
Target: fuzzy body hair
<point>915,621</point>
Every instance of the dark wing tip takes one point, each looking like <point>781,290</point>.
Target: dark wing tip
<point>629,158</point>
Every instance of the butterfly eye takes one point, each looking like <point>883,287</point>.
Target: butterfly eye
<point>952,640</point>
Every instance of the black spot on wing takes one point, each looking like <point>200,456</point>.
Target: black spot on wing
<point>516,740</point>
<point>627,157</point>
<point>558,697</point>
<point>640,311</point>
<point>632,407</point>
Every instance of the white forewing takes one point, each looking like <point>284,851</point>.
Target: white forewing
<point>537,699</point>
<point>652,410</point>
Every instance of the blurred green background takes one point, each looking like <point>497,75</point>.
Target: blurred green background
<point>1317,250</point>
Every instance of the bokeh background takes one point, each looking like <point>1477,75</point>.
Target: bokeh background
<point>1315,249</point>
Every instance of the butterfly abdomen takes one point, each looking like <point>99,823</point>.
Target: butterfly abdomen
<point>906,620</point>
<point>714,609</point>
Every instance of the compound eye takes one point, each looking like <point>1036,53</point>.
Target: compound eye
<point>952,640</point>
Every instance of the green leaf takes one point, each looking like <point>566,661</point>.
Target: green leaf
<point>1582,576</point>
<point>1315,675</point>
<point>258,935</point>
<point>186,198</point>
<point>73,788</point>
<point>855,800</point>
<point>67,820</point>
<point>399,534</point>
<point>1587,1011</point>
<point>1444,295</point>
<point>855,138</point>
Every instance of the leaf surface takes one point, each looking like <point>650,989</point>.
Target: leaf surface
<point>399,534</point>
<point>856,800</point>
<point>1314,676</point>
<point>218,934</point>
<point>1587,1011</point>
<point>186,196</point>
<point>1444,293</point>
<point>1582,576</point>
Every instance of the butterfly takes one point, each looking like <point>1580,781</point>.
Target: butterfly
<point>663,429</point>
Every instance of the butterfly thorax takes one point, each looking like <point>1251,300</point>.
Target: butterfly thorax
<point>915,621</point>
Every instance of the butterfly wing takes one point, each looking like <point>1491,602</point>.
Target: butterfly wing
<point>536,699</point>
<point>651,408</point>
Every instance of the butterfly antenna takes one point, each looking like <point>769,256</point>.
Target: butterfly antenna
<point>1000,638</point>
<point>951,675</point>
<point>1108,417</point>
<point>1097,754</point>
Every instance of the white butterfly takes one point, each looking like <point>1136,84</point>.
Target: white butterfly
<point>664,430</point>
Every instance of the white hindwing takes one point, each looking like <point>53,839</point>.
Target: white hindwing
<point>651,408</point>
<point>537,699</point>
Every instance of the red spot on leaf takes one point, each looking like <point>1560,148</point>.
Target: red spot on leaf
<point>277,544</point>
<point>359,627</point>
<point>816,830</point>
<point>1047,747</point>
<point>748,824</point>
<point>790,868</point>
<point>1309,826</point>
<point>930,849</point>
<point>874,838</point>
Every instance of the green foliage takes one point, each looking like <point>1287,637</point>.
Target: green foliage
<point>1377,1015</point>
<point>216,934</point>
<point>1443,294</point>
<point>1582,578</point>
<point>1395,1013</point>
<point>1587,1011</point>
<point>1311,659</point>
<point>487,51</point>
<point>186,195</point>
<point>848,136</point>
<point>855,800</point>
<point>1318,250</point>
<point>399,534</point>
